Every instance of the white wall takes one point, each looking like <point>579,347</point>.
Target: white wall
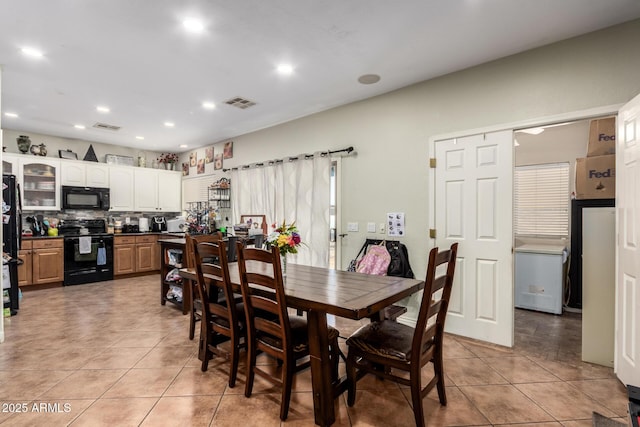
<point>391,132</point>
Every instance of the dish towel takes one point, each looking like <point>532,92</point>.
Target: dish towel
<point>84,245</point>
<point>102,256</point>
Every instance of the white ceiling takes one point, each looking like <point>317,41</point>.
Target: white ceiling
<point>136,58</point>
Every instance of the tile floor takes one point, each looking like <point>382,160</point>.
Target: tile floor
<point>109,354</point>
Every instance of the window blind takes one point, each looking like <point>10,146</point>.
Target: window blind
<point>541,198</point>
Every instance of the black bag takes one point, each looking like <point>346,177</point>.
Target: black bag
<point>399,265</point>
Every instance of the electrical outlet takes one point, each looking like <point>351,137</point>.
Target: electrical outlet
<point>371,227</point>
<point>382,228</point>
<point>352,226</point>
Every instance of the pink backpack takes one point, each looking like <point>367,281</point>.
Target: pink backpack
<point>375,261</point>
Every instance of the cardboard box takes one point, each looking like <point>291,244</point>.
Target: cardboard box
<point>596,177</point>
<point>602,137</point>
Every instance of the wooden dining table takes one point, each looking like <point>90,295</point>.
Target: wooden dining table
<point>323,291</point>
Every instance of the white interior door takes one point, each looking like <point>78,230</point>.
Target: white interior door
<point>627,342</point>
<point>473,206</point>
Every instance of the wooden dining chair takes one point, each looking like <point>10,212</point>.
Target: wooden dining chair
<point>270,328</point>
<point>382,347</point>
<point>223,318</point>
<point>195,311</point>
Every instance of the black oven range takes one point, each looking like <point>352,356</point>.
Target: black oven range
<point>88,251</point>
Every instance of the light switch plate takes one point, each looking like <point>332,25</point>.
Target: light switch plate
<point>352,226</point>
<point>371,227</point>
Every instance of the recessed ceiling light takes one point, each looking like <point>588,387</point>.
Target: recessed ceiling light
<point>193,25</point>
<point>79,126</point>
<point>14,115</point>
<point>285,69</point>
<point>140,137</point>
<point>369,79</point>
<point>208,105</point>
<point>102,109</point>
<point>183,145</point>
<point>29,51</point>
<point>169,124</point>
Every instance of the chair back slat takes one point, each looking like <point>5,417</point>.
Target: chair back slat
<point>434,303</point>
<point>264,297</point>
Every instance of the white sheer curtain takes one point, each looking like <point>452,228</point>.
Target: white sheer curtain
<point>295,190</point>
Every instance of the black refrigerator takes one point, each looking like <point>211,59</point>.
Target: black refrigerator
<point>11,239</point>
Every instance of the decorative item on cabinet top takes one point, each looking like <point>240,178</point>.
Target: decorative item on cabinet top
<point>67,154</point>
<point>38,150</point>
<point>24,142</point>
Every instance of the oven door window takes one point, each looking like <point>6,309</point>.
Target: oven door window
<point>91,256</point>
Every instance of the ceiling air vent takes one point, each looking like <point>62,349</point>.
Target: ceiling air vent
<point>239,102</point>
<point>105,126</point>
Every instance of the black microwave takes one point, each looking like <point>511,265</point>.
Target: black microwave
<point>90,198</point>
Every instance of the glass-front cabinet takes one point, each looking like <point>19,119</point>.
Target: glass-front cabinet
<point>40,183</point>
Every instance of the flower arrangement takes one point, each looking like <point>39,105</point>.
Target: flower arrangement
<point>168,158</point>
<point>285,237</point>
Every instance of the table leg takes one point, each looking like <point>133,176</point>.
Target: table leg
<point>320,368</point>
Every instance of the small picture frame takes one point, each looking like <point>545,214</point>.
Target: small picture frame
<point>67,154</point>
<point>185,169</point>
<point>193,159</point>
<point>200,166</point>
<point>228,150</point>
<point>217,162</point>
<point>208,154</point>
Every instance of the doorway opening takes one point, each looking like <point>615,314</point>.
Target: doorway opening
<point>548,288</point>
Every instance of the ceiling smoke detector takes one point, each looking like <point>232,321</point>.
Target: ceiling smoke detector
<point>106,126</point>
<point>240,102</point>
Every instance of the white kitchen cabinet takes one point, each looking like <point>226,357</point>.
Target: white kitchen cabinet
<point>169,191</point>
<point>10,164</point>
<point>121,188</point>
<point>40,178</point>
<point>85,174</point>
<point>157,190</point>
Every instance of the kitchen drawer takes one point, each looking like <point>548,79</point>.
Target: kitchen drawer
<point>146,239</point>
<point>124,240</point>
<point>26,245</point>
<point>47,243</point>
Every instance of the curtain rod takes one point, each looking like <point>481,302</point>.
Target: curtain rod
<point>347,150</point>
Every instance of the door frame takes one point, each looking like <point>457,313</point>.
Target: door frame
<point>512,126</point>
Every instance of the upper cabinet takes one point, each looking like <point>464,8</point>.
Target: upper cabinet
<point>10,164</point>
<point>157,190</point>
<point>40,179</point>
<point>121,186</point>
<point>85,174</point>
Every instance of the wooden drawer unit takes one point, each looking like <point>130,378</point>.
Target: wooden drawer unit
<point>124,255</point>
<point>145,253</point>
<point>136,254</point>
<point>47,261</point>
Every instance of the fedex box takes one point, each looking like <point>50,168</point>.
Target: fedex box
<point>596,177</point>
<point>602,137</point>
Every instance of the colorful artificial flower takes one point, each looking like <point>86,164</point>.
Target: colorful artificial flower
<point>285,237</point>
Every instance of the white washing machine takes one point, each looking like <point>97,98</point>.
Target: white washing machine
<point>540,276</point>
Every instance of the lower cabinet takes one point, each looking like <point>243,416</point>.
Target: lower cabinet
<point>25,272</point>
<point>124,255</point>
<point>135,254</point>
<point>42,262</point>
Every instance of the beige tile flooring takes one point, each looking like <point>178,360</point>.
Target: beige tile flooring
<point>109,354</point>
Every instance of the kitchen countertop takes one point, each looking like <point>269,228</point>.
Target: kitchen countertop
<point>164,235</point>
